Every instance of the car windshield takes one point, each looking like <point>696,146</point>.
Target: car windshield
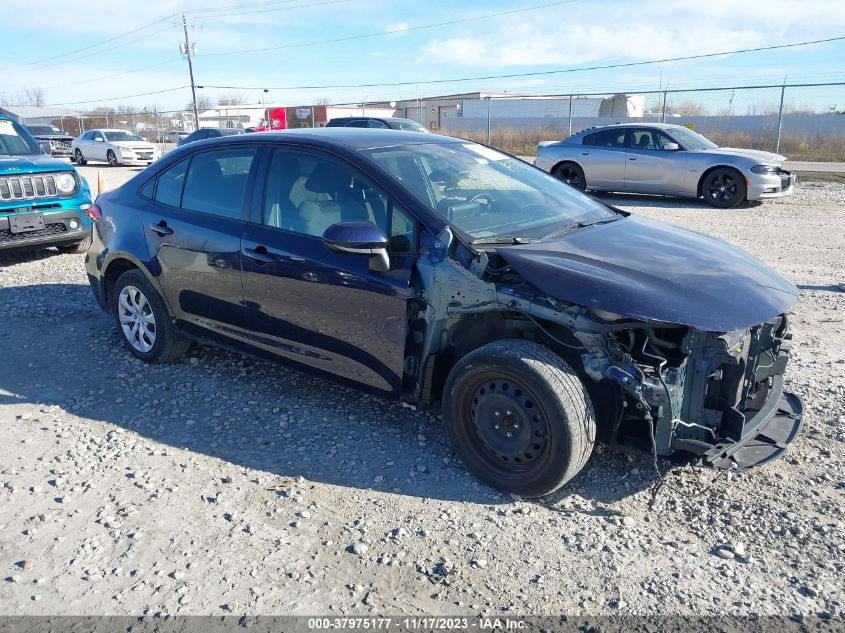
<point>408,126</point>
<point>229,131</point>
<point>691,140</point>
<point>16,141</point>
<point>44,130</point>
<point>487,195</point>
<point>120,135</point>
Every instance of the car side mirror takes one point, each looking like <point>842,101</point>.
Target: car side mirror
<point>671,147</point>
<point>362,238</point>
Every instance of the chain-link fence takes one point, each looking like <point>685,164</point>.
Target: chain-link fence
<point>804,122</point>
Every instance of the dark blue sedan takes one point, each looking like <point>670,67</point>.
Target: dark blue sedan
<point>449,275</point>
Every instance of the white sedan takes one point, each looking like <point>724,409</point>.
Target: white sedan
<point>116,147</point>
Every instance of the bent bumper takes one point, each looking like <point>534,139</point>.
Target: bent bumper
<point>769,432</point>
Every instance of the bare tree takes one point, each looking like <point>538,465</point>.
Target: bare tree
<point>33,96</point>
<point>204,102</point>
<point>322,101</point>
<point>230,98</point>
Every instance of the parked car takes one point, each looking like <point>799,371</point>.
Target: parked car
<point>393,123</point>
<point>50,136</point>
<point>116,147</point>
<point>43,201</point>
<point>448,275</point>
<point>665,159</point>
<point>209,132</point>
<point>173,136</point>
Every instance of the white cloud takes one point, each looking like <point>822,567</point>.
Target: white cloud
<point>648,29</point>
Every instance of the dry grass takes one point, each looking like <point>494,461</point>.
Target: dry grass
<point>796,147</point>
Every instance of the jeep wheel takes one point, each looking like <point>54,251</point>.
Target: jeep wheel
<point>144,323</point>
<point>78,247</point>
<point>77,155</point>
<point>519,417</point>
<point>111,157</point>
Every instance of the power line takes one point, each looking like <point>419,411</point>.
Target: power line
<point>88,47</point>
<point>140,94</point>
<point>393,31</point>
<point>92,53</point>
<point>308,5</point>
<point>542,72</point>
<point>117,74</point>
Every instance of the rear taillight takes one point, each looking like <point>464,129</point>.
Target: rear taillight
<point>93,212</point>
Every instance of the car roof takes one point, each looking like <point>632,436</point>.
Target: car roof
<point>662,126</point>
<point>354,138</point>
<point>376,118</point>
<point>109,129</point>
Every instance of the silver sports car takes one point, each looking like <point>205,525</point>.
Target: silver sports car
<point>666,159</point>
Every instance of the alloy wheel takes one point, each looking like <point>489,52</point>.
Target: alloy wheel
<point>721,187</point>
<point>137,320</point>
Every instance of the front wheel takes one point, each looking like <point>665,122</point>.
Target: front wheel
<point>572,175</point>
<point>519,417</point>
<point>723,188</point>
<point>77,247</point>
<point>143,320</point>
<point>77,155</point>
<point>111,157</point>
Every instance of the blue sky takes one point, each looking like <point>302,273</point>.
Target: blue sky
<point>564,35</point>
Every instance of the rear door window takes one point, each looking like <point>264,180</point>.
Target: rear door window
<point>357,123</point>
<point>216,181</point>
<point>606,138</point>
<point>169,188</point>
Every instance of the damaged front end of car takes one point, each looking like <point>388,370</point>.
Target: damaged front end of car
<point>717,395</point>
<point>716,392</point>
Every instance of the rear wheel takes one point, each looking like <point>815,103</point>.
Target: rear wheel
<point>572,175</point>
<point>519,417</point>
<point>144,323</point>
<point>723,188</point>
<point>77,155</point>
<point>111,157</point>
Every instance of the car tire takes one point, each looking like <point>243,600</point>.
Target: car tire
<point>111,158</point>
<point>519,417</point>
<point>723,188</point>
<point>77,155</point>
<point>572,175</point>
<point>77,247</point>
<point>134,301</point>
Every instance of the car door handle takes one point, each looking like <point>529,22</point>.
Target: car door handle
<point>632,158</point>
<point>259,254</point>
<point>161,228</point>
<point>585,153</point>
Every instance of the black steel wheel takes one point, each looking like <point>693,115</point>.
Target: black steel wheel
<point>519,417</point>
<point>572,175</point>
<point>723,188</point>
<point>77,155</point>
<point>111,157</point>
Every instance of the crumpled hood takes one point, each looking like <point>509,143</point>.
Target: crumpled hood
<point>758,155</point>
<point>11,165</point>
<point>651,271</point>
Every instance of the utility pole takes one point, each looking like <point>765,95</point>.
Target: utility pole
<point>187,51</point>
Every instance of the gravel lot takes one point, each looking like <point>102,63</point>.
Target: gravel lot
<point>224,485</point>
